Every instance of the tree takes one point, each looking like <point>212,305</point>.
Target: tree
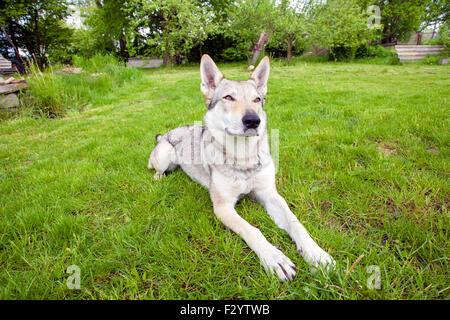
<point>252,24</point>
<point>436,12</point>
<point>289,24</point>
<point>168,28</point>
<point>108,20</point>
<point>444,36</point>
<point>341,26</point>
<point>9,11</point>
<point>35,26</point>
<point>398,17</point>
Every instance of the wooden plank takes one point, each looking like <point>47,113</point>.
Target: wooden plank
<point>13,87</point>
<point>7,71</point>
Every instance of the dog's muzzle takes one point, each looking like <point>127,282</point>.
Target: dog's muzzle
<point>251,121</point>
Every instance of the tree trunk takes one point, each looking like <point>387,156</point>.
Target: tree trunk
<point>315,49</point>
<point>168,60</point>
<point>289,50</point>
<point>419,38</point>
<point>434,31</point>
<point>123,48</point>
<point>263,39</point>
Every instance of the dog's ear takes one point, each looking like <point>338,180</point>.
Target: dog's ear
<point>261,74</point>
<point>211,76</point>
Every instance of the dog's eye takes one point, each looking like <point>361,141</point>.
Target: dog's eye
<point>258,99</point>
<point>229,98</point>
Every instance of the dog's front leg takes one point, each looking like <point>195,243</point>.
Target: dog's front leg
<point>273,260</point>
<point>279,211</point>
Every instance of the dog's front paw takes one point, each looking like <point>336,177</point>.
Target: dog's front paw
<point>158,175</point>
<point>317,257</point>
<point>275,262</point>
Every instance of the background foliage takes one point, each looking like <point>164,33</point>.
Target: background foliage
<point>227,30</point>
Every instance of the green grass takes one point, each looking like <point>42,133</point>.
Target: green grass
<point>364,164</point>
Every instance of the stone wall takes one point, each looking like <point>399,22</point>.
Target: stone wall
<point>8,93</point>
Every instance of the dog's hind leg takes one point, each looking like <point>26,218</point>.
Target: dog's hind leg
<point>163,158</point>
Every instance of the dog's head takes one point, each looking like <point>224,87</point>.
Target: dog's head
<point>234,107</point>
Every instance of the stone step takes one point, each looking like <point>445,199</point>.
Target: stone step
<point>415,57</point>
<point>411,58</point>
<point>415,46</point>
<point>414,52</point>
<point>419,50</point>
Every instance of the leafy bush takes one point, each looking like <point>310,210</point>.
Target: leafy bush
<point>433,59</point>
<point>299,60</point>
<point>444,36</point>
<point>391,60</point>
<point>60,56</point>
<point>214,46</point>
<point>276,48</point>
<point>373,52</point>
<point>238,53</point>
<point>377,55</point>
<point>85,43</point>
<point>435,42</point>
<point>52,94</point>
<point>430,59</point>
<point>342,53</point>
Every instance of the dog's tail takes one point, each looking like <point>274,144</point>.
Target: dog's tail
<point>158,137</point>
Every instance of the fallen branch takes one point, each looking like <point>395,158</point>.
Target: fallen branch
<point>353,266</point>
<point>332,286</point>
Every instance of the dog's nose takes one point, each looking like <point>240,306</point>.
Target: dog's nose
<point>251,121</point>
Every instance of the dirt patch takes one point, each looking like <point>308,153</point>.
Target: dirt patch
<point>325,205</point>
<point>384,239</point>
<point>409,206</point>
<point>439,204</point>
<point>391,206</point>
<point>434,151</point>
<point>386,148</point>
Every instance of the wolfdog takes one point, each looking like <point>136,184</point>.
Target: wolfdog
<point>230,156</point>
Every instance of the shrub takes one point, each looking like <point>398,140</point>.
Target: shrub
<point>238,53</point>
<point>278,50</point>
<point>373,52</point>
<point>444,36</point>
<point>435,42</point>
<point>342,53</point>
<point>430,59</point>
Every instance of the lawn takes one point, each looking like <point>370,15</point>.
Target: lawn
<point>363,163</point>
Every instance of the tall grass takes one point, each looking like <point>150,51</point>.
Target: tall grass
<point>53,94</point>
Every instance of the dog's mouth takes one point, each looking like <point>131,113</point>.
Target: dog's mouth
<point>246,133</point>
